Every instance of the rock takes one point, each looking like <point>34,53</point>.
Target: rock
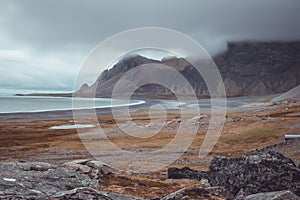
<point>205,182</point>
<point>73,166</point>
<point>37,180</point>
<point>240,195</point>
<point>281,195</point>
<point>94,163</point>
<point>220,192</point>
<point>93,168</point>
<point>86,193</point>
<point>175,173</point>
<point>258,172</point>
<point>264,172</point>
<point>198,193</point>
<point>80,193</point>
<point>236,119</point>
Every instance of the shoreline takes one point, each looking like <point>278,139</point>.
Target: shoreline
<point>145,103</point>
<point>83,108</point>
<point>68,113</point>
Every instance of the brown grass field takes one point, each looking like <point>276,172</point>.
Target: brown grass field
<point>32,140</point>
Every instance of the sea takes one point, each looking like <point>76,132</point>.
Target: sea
<point>10,103</point>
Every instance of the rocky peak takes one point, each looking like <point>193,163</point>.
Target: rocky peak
<point>247,68</point>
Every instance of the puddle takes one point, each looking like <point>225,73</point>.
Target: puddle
<point>71,126</point>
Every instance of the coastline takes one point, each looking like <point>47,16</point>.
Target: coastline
<point>234,104</point>
<point>66,113</point>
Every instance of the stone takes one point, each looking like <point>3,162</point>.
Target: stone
<point>264,172</point>
<point>279,195</point>
<point>258,172</point>
<point>186,172</point>
<point>94,163</point>
<point>198,192</point>
<point>37,180</point>
<point>236,119</point>
<point>77,167</point>
<point>93,168</point>
<point>220,192</point>
<point>240,195</point>
<point>86,193</point>
<point>205,182</point>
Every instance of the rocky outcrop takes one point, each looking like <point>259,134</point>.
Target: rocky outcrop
<point>259,172</point>
<point>72,180</point>
<point>37,180</point>
<point>247,68</point>
<point>255,68</point>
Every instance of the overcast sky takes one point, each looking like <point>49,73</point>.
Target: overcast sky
<point>44,42</point>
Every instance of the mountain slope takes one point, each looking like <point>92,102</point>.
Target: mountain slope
<point>247,68</point>
<point>291,94</point>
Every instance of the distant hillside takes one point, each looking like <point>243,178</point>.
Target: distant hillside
<point>291,94</point>
<point>247,68</point>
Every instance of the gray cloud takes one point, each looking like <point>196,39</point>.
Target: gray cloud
<point>65,31</point>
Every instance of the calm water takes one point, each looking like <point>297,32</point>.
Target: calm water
<point>10,104</point>
<point>13,104</point>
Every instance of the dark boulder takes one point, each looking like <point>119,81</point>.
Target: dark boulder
<point>257,172</point>
<point>263,172</point>
<point>186,172</point>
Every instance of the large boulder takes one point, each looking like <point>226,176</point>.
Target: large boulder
<point>263,172</point>
<point>257,172</point>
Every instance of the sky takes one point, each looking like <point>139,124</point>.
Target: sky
<point>44,42</point>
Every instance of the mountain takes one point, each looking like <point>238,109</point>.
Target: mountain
<point>247,68</point>
<point>291,94</point>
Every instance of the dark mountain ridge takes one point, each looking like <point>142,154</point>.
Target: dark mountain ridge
<point>247,68</point>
